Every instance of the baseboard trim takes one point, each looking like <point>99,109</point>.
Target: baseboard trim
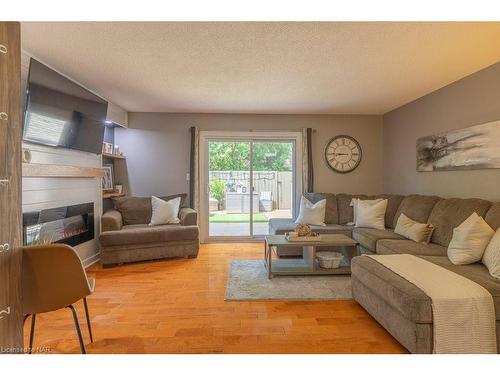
<point>91,260</point>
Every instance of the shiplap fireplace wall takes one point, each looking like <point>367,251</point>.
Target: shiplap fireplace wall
<point>50,192</point>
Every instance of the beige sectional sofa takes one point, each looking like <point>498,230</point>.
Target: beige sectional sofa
<point>403,309</point>
<point>126,237</point>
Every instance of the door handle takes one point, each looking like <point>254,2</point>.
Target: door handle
<point>5,312</point>
<point>4,248</point>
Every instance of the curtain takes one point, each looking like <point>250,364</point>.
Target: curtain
<point>194,176</point>
<point>307,161</point>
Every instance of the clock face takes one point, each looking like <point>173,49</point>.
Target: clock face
<point>343,154</point>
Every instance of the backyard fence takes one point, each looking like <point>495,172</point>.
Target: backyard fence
<point>278,184</point>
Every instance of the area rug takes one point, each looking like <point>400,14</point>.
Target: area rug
<point>248,281</point>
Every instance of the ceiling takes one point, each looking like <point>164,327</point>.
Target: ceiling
<point>266,67</point>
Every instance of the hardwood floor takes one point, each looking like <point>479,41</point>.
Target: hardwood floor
<point>177,306</point>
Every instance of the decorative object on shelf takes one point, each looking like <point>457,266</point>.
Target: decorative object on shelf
<point>116,150</point>
<point>475,147</point>
<point>26,155</point>
<point>107,180</point>
<point>118,188</point>
<point>107,148</point>
<point>343,154</point>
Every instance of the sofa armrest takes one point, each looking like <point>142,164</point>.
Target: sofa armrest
<point>111,220</point>
<point>188,216</point>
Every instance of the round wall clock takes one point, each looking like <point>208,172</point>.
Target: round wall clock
<point>343,154</point>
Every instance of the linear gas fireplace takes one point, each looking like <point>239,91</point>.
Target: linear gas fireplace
<point>71,225</point>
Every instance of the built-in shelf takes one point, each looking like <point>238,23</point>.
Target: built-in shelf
<point>112,156</point>
<point>112,194</point>
<point>54,170</point>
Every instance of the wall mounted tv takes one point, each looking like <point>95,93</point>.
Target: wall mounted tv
<point>61,113</point>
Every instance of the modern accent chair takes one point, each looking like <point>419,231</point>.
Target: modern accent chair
<point>53,278</point>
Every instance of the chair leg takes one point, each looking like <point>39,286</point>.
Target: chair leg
<point>77,326</point>
<point>32,333</point>
<point>88,318</point>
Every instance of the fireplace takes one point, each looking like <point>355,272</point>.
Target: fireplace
<point>70,225</point>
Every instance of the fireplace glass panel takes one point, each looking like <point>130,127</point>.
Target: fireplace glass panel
<point>71,225</point>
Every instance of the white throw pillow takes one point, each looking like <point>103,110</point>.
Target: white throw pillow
<point>312,214</point>
<point>165,212</point>
<point>413,230</point>
<point>469,240</point>
<point>371,215</point>
<point>354,205</point>
<point>491,257</point>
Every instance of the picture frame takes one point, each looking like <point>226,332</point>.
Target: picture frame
<point>107,179</point>
<point>107,148</point>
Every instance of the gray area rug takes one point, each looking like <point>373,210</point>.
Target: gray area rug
<point>248,281</point>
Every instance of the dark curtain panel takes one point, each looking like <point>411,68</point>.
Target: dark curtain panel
<point>192,131</point>
<point>310,170</point>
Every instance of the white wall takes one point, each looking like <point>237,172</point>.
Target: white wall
<point>49,192</point>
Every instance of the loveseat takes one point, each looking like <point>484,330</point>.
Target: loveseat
<point>127,237</point>
<point>403,309</point>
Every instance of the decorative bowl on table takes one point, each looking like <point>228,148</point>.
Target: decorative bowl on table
<point>303,232</point>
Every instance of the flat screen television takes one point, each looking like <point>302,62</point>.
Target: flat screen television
<point>61,113</point>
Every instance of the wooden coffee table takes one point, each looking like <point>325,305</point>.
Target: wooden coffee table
<point>308,265</point>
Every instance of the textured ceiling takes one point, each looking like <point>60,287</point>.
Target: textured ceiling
<point>270,67</point>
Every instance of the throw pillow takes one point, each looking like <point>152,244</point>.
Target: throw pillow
<point>413,230</point>
<point>371,215</point>
<point>312,214</point>
<point>165,212</point>
<point>469,240</point>
<point>491,257</point>
<point>354,205</point>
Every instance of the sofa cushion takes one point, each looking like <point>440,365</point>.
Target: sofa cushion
<point>281,226</point>
<point>138,210</point>
<point>409,300</point>
<point>416,207</point>
<point>345,209</point>
<point>403,296</point>
<point>143,234</point>
<point>388,246</point>
<point>368,237</point>
<point>393,203</point>
<point>346,214</point>
<point>476,272</point>
<point>493,216</point>
<point>448,214</point>
<point>331,212</point>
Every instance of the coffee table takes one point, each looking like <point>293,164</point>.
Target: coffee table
<point>308,265</point>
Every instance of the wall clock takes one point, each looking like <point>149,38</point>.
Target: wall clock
<point>343,154</point>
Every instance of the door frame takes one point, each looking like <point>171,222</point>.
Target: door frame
<point>244,136</point>
<point>11,314</point>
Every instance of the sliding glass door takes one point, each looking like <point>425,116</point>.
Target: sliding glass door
<point>229,188</point>
<point>272,181</point>
<point>248,182</point>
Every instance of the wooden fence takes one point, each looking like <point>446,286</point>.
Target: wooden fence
<point>280,184</point>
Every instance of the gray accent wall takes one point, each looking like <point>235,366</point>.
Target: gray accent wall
<point>472,100</point>
<point>157,148</point>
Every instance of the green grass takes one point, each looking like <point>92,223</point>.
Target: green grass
<point>237,218</point>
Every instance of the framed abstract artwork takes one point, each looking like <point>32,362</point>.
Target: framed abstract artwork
<point>475,147</point>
